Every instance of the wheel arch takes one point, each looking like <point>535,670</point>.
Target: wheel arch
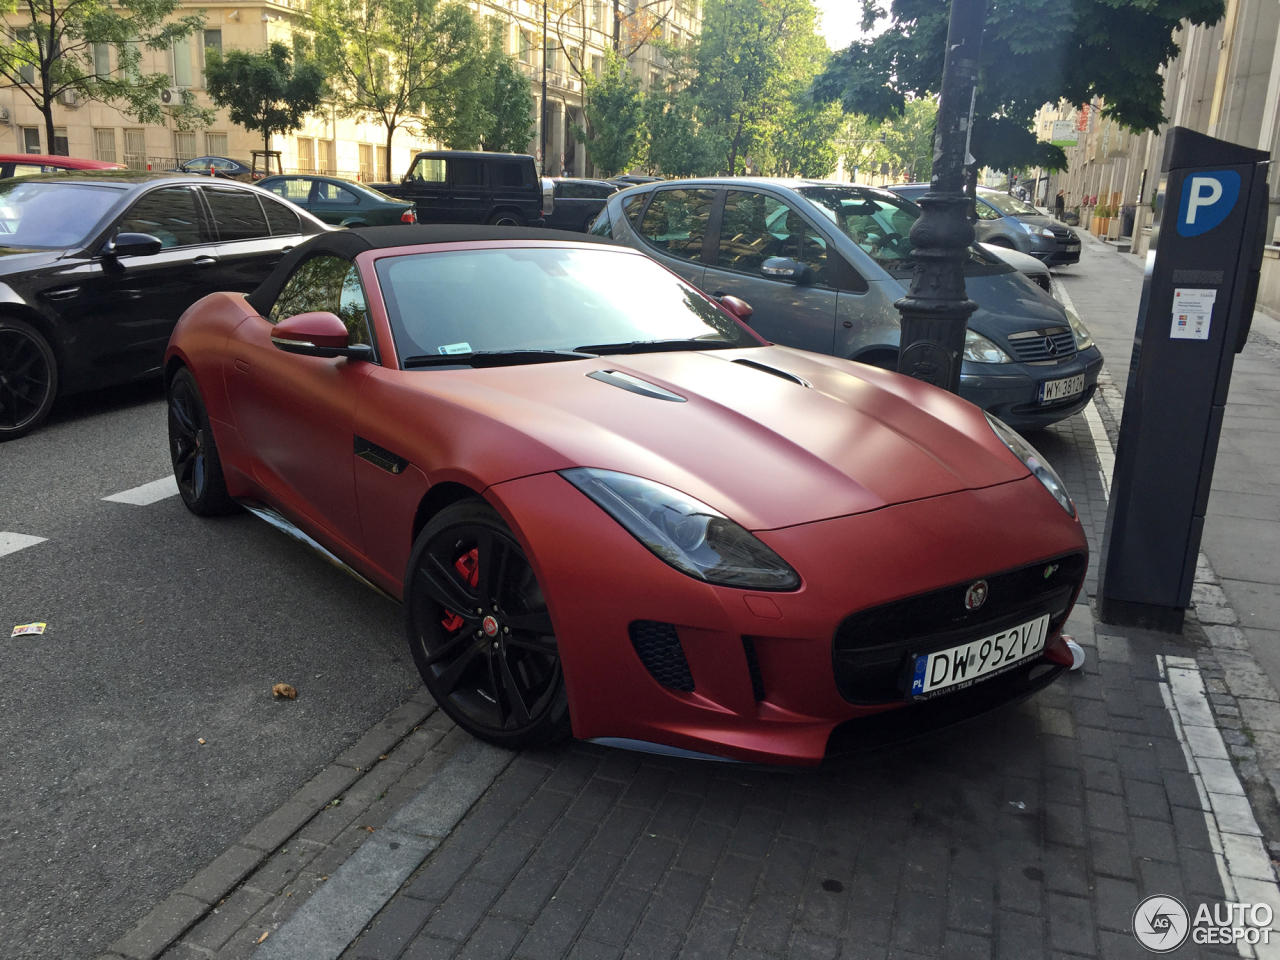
<point>44,326</point>
<point>437,497</point>
<point>883,356</point>
<point>498,211</point>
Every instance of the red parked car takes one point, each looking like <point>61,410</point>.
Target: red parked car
<point>27,164</point>
<point>611,509</point>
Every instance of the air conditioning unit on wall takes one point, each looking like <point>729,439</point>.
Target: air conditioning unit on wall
<point>69,98</point>
<point>171,96</point>
<point>5,117</point>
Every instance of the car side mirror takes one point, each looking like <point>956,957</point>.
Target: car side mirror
<point>784,268</point>
<point>738,308</point>
<point>317,334</point>
<point>133,245</point>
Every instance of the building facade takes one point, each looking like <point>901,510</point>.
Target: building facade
<point>578,33</point>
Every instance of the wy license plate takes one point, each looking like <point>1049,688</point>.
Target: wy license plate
<point>978,659</point>
<point>1052,390</point>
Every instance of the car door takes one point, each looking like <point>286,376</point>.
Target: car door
<point>755,226</point>
<point>126,308</point>
<point>990,222</point>
<point>296,414</point>
<point>247,250</point>
<point>674,228</point>
<point>334,203</point>
<point>428,187</point>
<point>469,198</point>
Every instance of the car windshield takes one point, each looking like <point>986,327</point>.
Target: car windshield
<point>880,224</point>
<point>1009,206</point>
<point>466,302</point>
<point>44,214</point>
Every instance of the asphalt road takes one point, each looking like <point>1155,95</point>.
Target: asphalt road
<point>162,629</point>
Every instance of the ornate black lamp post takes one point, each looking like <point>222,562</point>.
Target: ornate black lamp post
<point>936,310</point>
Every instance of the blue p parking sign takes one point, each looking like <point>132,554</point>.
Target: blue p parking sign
<point>1207,198</point>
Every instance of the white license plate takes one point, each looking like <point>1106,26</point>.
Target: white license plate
<point>978,659</point>
<point>1073,248</point>
<point>1052,390</point>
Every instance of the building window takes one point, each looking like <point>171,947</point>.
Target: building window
<point>104,145</point>
<point>597,64</point>
<point>181,53</point>
<point>366,162</point>
<point>28,72</point>
<point>60,145</point>
<point>306,155</point>
<point>215,144</point>
<point>213,38</point>
<point>102,62</point>
<point>526,46</point>
<point>30,139</point>
<point>381,158</point>
<point>184,145</point>
<point>135,149</point>
<point>655,80</point>
<point>597,13</point>
<point>326,157</point>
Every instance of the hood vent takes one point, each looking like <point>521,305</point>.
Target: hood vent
<point>782,374</point>
<point>627,382</point>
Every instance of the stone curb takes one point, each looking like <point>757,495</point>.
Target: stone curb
<point>182,910</point>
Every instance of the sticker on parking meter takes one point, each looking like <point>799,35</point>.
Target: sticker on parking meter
<point>1207,198</point>
<point>1192,310</point>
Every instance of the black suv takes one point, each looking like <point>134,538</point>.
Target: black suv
<point>454,186</point>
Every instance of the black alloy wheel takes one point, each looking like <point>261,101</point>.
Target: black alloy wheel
<point>480,631</point>
<point>28,378</point>
<point>196,466</point>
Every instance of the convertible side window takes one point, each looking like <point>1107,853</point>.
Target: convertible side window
<point>171,214</point>
<point>330,284</point>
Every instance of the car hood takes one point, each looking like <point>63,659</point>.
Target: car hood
<point>747,438</point>
<point>1036,220</point>
<point>1010,303</point>
<point>14,260</point>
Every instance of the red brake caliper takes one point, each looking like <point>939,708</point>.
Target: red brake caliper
<point>469,566</point>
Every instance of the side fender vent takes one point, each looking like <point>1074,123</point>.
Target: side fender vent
<point>658,648</point>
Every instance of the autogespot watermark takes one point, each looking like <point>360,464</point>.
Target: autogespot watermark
<point>1162,924</point>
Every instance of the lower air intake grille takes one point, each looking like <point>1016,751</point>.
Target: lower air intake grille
<point>658,648</point>
<point>753,668</point>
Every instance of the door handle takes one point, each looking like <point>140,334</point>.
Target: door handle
<point>204,261</point>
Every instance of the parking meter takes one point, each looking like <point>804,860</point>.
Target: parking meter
<point>1197,303</point>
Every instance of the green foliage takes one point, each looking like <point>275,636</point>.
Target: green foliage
<point>50,52</point>
<point>678,146</point>
<point>402,63</point>
<point>615,114</point>
<point>1033,52</point>
<point>755,59</point>
<point>904,142</point>
<point>493,108</point>
<point>265,92</point>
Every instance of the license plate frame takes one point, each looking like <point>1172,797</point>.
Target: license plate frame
<point>1072,248</point>
<point>1017,645</point>
<point>1064,389</point>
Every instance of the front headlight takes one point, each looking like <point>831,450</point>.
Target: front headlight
<point>1037,464</point>
<point>686,533</point>
<point>1083,337</point>
<point>981,350</point>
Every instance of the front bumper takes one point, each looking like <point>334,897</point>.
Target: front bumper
<point>1011,391</point>
<point>763,681</point>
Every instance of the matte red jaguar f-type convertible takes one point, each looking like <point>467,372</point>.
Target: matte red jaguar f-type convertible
<point>611,509</point>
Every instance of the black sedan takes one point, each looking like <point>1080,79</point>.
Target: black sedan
<point>341,202</point>
<point>223,167</point>
<point>96,268</point>
<point>577,202</point>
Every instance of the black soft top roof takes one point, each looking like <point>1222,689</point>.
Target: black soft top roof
<point>349,244</point>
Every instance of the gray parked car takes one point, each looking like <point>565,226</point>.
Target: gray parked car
<point>1006,221</point>
<point>822,264</point>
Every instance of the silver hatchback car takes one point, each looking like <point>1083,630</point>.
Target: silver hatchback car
<point>822,264</point>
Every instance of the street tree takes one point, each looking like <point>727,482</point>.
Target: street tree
<point>754,62</point>
<point>903,142</point>
<point>679,146</point>
<point>59,49</point>
<point>265,91</point>
<point>399,62</point>
<point>1033,52</point>
<point>492,106</point>
<point>614,107</point>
